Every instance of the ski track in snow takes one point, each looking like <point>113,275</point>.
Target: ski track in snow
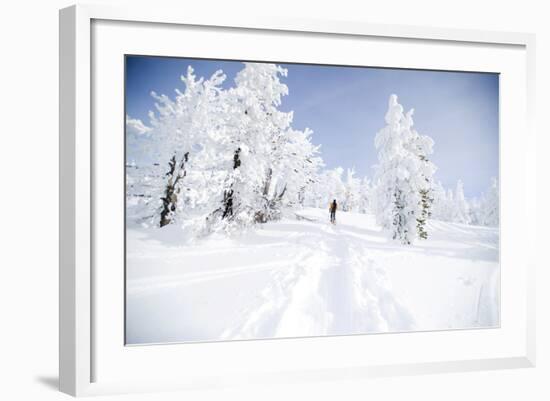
<point>335,290</point>
<point>322,279</point>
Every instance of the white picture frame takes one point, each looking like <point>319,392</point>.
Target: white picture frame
<point>81,341</point>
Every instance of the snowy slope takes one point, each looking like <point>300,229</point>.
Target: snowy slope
<point>302,276</point>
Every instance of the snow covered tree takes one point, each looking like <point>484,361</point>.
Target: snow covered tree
<point>142,174</point>
<point>333,186</point>
<point>365,196</point>
<point>461,213</point>
<point>389,143</point>
<point>352,186</point>
<point>292,159</point>
<point>267,163</point>
<point>475,211</point>
<point>193,122</point>
<point>297,171</point>
<point>293,166</point>
<point>443,204</point>
<point>402,173</point>
<point>315,191</point>
<point>180,128</point>
<point>489,205</point>
<point>138,139</point>
<point>451,206</point>
<point>257,130</point>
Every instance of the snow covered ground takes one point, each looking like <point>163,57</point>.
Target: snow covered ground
<point>302,276</point>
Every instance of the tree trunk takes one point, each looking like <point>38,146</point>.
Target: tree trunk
<point>228,195</point>
<point>169,201</point>
<point>261,216</point>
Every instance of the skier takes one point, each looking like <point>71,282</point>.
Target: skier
<point>332,208</point>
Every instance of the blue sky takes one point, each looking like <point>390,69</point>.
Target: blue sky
<point>345,107</point>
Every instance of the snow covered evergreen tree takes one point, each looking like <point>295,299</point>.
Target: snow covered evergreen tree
<point>461,209</point>
<point>489,206</point>
<point>350,201</point>
<point>443,204</point>
<point>475,211</point>
<point>451,205</point>
<point>401,174</point>
<point>365,196</point>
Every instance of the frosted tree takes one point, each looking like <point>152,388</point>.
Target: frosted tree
<point>398,176</point>
<point>143,175</point>
<point>451,205</point>
<point>178,130</point>
<point>334,187</point>
<point>293,166</point>
<point>352,187</point>
<point>365,196</point>
<point>489,205</point>
<point>316,190</point>
<point>292,160</point>
<point>194,119</point>
<point>461,213</point>
<point>475,211</point>
<point>443,205</point>
<point>271,163</point>
<point>350,192</point>
<point>297,172</point>
<point>257,129</point>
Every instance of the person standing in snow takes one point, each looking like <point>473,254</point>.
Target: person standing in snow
<point>333,206</point>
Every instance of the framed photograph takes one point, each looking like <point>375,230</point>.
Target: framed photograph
<point>268,201</point>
